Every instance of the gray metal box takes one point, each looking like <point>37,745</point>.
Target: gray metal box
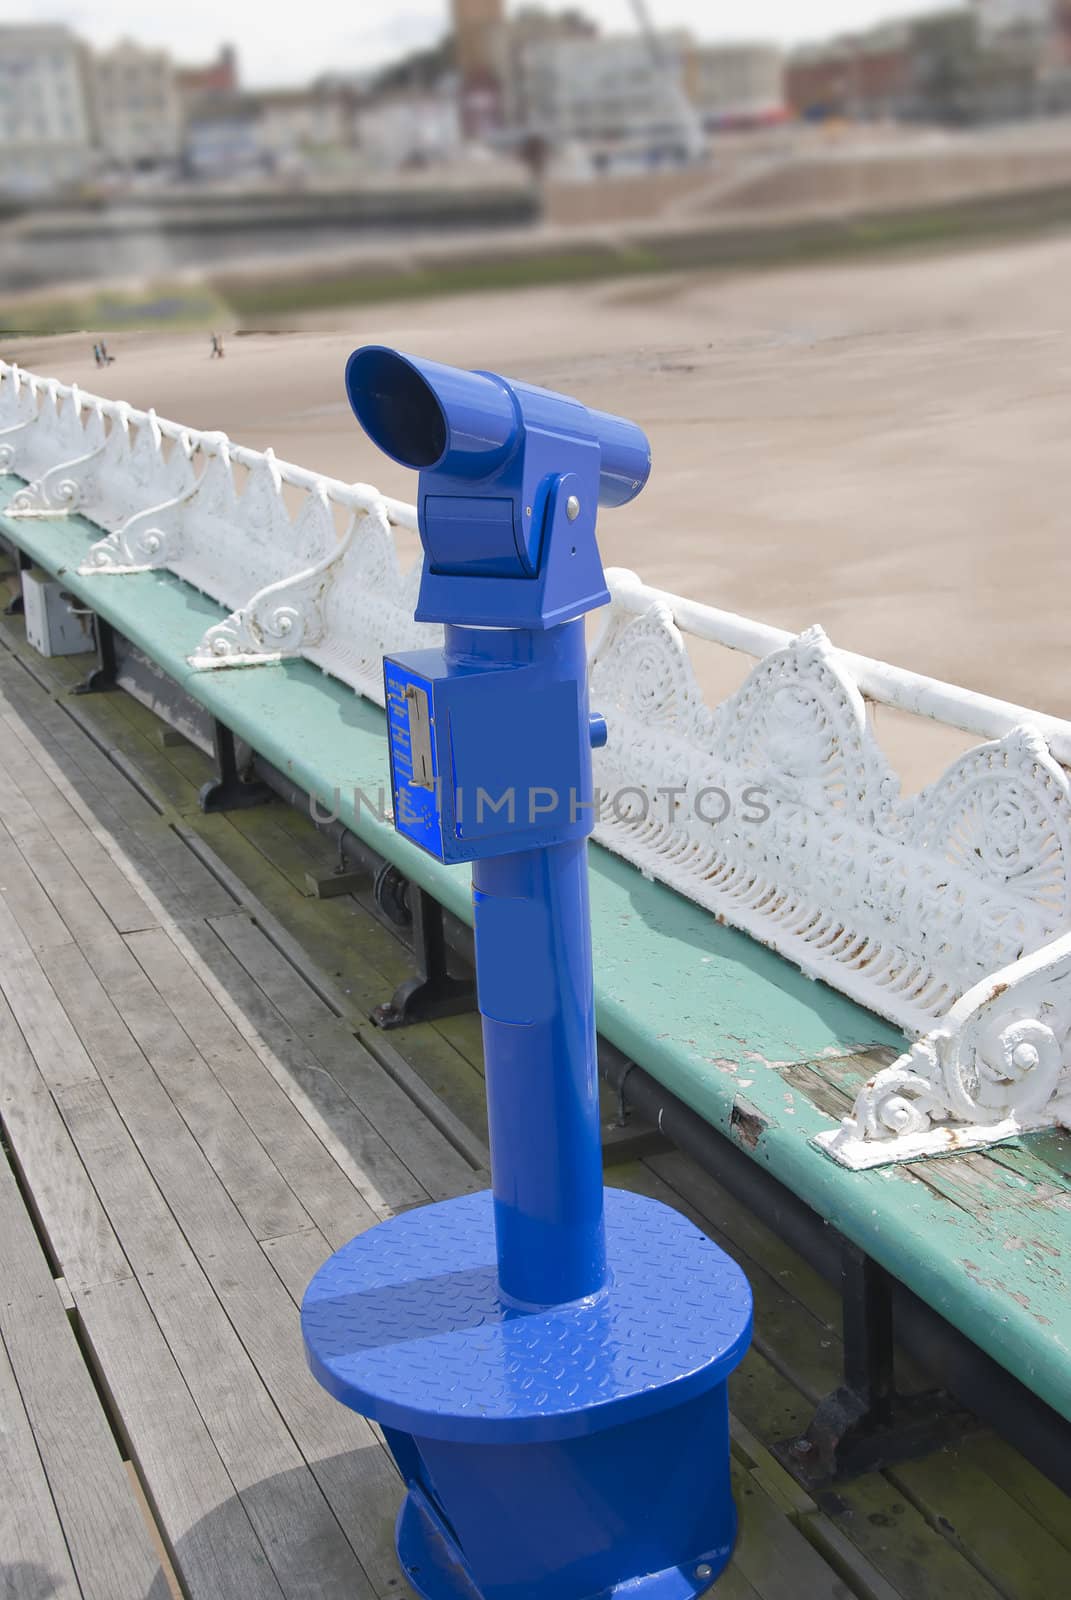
<point>52,625</point>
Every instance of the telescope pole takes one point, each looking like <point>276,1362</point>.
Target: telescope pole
<point>534,978</point>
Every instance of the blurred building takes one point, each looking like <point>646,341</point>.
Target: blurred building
<point>478,29</point>
<point>272,131</point>
<point>605,90</point>
<point>997,18</point>
<point>45,113</point>
<point>865,76</point>
<point>214,77</point>
<point>737,85</point>
<point>295,125</point>
<point>137,111</point>
<point>410,128</point>
<point>221,137</point>
<point>1032,38</point>
<point>530,25</point>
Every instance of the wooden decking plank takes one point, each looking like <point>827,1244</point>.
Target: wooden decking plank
<point>35,738</point>
<point>449,1075</point>
<point>63,732</point>
<point>469,1144</point>
<point>424,1151</point>
<point>290,855</point>
<point>173,883</point>
<point>129,911</point>
<point>991,1529</point>
<point>65,1201</point>
<point>59,1053</point>
<point>34,1560</point>
<point>284,1504</point>
<point>349,1464</point>
<point>16,812</point>
<point>50,804</point>
<point>903,1546</point>
<point>135,1013</point>
<point>317,1180</point>
<point>105,1533</point>
<point>319,928</point>
<point>27,902</point>
<point>772,1554</point>
<point>164,775</point>
<point>202,893</point>
<point>80,829</point>
<point>82,913</point>
<point>205,1524</point>
<point>1049,1507</point>
<point>377,1174</point>
<point>348,944</point>
<point>464,1033</point>
<point>296,1257</point>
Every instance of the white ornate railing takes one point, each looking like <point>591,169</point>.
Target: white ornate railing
<point>171,498</point>
<point>949,913</point>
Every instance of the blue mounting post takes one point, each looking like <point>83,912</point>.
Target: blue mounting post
<point>548,1361</point>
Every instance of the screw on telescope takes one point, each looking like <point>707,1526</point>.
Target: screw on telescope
<point>572,508</point>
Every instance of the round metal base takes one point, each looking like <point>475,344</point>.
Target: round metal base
<point>407,1324</point>
<point>433,1566</point>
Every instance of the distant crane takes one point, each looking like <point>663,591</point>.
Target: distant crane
<point>684,114</point>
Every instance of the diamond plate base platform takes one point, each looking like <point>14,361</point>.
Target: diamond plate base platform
<point>575,1453</point>
<point>405,1324</point>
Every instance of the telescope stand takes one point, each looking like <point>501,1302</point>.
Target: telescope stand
<point>549,1360</point>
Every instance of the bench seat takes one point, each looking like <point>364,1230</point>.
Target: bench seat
<point>765,1055</point>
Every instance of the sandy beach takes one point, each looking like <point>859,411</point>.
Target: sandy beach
<point>880,448</point>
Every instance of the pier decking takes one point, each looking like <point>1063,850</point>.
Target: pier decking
<point>196,1110</point>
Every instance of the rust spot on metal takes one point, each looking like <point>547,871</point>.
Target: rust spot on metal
<point>747,1123</point>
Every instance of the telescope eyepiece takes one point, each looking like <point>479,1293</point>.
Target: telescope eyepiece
<point>396,406</point>
<point>432,417</point>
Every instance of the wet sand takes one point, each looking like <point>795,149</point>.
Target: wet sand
<point>880,448</point>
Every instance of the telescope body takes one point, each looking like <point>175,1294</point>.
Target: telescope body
<point>548,1361</point>
<point>498,463</point>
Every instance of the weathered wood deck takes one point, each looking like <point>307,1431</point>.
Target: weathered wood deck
<point>195,1110</point>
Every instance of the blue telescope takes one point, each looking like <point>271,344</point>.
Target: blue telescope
<point>548,1361</point>
<point>500,463</point>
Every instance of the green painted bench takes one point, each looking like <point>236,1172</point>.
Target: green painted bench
<point>737,1034</point>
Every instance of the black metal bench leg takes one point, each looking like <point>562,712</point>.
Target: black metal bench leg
<point>16,606</point>
<point>229,791</point>
<point>101,677</point>
<point>865,1424</point>
<point>433,991</point>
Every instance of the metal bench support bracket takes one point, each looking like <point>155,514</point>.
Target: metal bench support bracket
<point>230,791</point>
<point>433,991</point>
<point>102,677</point>
<point>865,1424</point>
